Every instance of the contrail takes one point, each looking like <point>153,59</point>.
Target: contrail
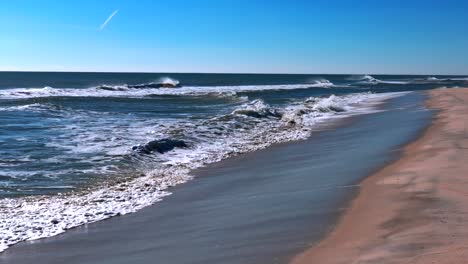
<point>108,19</point>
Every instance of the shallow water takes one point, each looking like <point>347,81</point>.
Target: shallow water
<point>260,207</point>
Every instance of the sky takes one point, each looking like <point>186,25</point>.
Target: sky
<point>238,36</point>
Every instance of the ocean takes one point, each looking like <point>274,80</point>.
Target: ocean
<point>77,148</point>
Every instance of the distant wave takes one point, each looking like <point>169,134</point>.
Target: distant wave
<point>435,79</point>
<point>429,80</point>
<point>321,83</point>
<point>465,79</point>
<point>168,80</point>
<point>368,79</point>
<point>164,82</point>
<point>175,146</point>
<point>149,89</point>
<point>438,80</point>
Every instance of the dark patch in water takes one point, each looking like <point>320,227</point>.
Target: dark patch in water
<point>161,146</point>
<point>258,114</point>
<point>138,86</point>
<point>154,85</point>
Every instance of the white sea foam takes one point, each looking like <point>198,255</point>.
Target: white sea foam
<point>147,90</point>
<point>251,126</point>
<point>168,80</point>
<point>368,79</point>
<point>21,107</point>
<point>435,79</point>
<point>460,79</point>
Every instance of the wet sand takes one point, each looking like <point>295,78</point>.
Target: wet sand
<point>416,209</point>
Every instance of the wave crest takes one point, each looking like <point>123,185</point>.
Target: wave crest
<point>258,109</point>
<point>164,82</point>
<point>159,88</point>
<point>368,79</point>
<point>328,104</point>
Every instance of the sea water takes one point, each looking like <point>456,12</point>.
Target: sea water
<point>76,148</point>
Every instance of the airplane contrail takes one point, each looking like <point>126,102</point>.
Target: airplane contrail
<point>108,19</point>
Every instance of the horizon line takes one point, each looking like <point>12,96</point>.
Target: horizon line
<point>252,73</point>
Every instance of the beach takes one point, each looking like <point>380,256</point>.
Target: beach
<point>89,146</point>
<point>414,210</point>
<point>252,169</point>
<point>233,132</point>
<point>264,206</point>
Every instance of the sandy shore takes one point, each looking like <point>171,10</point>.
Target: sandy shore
<point>416,209</point>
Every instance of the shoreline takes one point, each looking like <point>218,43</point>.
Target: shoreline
<point>46,216</point>
<point>236,211</point>
<point>406,212</point>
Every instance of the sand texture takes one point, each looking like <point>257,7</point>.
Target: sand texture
<point>416,209</point>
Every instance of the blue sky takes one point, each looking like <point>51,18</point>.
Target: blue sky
<point>295,36</point>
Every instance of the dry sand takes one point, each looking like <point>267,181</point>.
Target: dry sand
<point>416,209</point>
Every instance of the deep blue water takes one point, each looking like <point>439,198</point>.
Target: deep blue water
<point>84,80</point>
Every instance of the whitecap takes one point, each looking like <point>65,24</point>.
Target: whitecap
<point>149,90</point>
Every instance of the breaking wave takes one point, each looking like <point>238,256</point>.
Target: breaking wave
<point>432,79</point>
<point>368,79</point>
<point>258,109</point>
<point>165,82</point>
<point>321,83</point>
<point>171,151</point>
<point>162,87</point>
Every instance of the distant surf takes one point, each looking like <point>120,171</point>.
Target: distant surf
<point>150,89</point>
<point>368,79</point>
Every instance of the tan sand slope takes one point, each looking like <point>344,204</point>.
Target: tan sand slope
<point>416,209</point>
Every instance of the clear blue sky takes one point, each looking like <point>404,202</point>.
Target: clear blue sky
<point>288,36</point>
